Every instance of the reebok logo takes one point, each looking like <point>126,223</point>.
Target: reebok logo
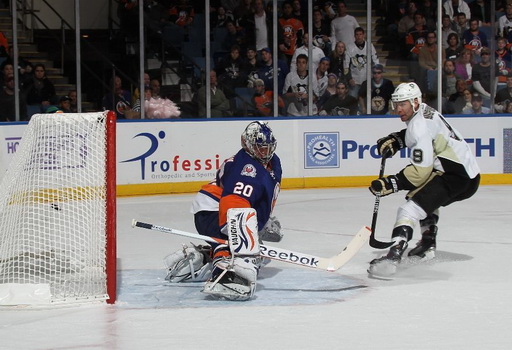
<point>306,260</point>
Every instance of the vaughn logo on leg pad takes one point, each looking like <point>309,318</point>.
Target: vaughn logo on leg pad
<point>243,231</point>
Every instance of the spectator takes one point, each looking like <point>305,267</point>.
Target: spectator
<point>504,96</point>
<point>461,99</point>
<point>318,54</point>
<point>119,100</point>
<point>264,100</point>
<point>461,23</point>
<point>476,106</point>
<point>407,22</point>
<point>503,59</point>
<point>454,48</point>
<point>258,27</point>
<point>473,38</point>
<point>230,72</point>
<point>330,90</point>
<point>481,74</point>
<point>181,13</point>
<point>219,18</point>
<point>233,37</point>
<point>381,92</point>
<point>414,41</point>
<point>464,64</point>
<point>290,33</point>
<point>321,32</point>
<point>155,88</point>
<point>73,103</point>
<point>340,64</point>
<point>136,92</point>
<point>266,72</point>
<point>4,45</point>
<point>25,67</point>
<point>481,10</point>
<point>8,110</point>
<point>429,10</point>
<point>452,7</point>
<point>358,61</point>
<point>39,89</point>
<point>65,104</point>
<point>298,13</point>
<point>341,103</point>
<point>343,27</point>
<point>427,60</point>
<point>446,30</point>
<point>505,22</point>
<point>296,87</point>
<point>220,106</point>
<point>449,79</point>
<point>320,78</point>
<point>243,10</point>
<point>251,66</point>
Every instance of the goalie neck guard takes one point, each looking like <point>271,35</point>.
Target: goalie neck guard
<point>259,142</point>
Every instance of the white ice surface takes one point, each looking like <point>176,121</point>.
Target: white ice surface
<point>462,300</point>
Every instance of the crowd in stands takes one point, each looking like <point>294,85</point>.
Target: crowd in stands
<point>242,76</point>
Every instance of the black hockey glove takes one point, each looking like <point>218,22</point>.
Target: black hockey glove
<point>387,146</point>
<point>385,185</point>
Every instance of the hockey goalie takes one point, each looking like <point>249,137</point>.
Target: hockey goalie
<point>233,207</point>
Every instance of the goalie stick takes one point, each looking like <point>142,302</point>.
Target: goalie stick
<point>374,243</point>
<point>333,263</point>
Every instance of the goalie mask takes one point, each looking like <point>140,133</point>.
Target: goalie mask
<point>406,92</point>
<point>258,140</point>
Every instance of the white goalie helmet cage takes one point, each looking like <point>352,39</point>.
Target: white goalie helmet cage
<point>258,140</point>
<point>406,92</point>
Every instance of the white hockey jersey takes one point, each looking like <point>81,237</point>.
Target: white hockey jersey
<point>358,61</point>
<point>435,145</point>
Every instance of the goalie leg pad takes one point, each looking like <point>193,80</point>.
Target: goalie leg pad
<point>233,278</point>
<point>242,227</point>
<point>189,264</point>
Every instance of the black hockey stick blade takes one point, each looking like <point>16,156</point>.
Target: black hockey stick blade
<point>374,243</point>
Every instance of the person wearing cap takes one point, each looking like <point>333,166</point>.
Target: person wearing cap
<point>476,106</point>
<point>290,31</point>
<point>65,104</point>
<point>317,54</point>
<point>381,92</point>
<point>264,100</point>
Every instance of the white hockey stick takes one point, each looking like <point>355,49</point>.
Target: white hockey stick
<point>333,263</point>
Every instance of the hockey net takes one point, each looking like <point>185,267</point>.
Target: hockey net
<point>57,212</point>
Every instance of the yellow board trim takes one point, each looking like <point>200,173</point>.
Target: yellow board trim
<point>295,183</point>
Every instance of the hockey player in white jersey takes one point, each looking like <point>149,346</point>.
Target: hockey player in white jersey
<point>442,170</point>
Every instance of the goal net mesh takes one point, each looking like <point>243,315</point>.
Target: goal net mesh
<point>53,212</point>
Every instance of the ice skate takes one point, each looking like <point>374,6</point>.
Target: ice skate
<point>426,246</point>
<point>386,266</point>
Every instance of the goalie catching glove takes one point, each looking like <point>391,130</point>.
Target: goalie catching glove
<point>387,146</point>
<point>385,185</point>
<point>271,232</point>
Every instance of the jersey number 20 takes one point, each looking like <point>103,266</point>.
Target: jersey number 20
<point>243,189</point>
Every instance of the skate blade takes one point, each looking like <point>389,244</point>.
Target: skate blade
<point>383,270</point>
<point>228,291</point>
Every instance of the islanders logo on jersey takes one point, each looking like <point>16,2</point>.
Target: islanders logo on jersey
<point>248,170</point>
<point>321,150</point>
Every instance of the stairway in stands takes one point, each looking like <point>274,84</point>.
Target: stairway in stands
<point>30,52</point>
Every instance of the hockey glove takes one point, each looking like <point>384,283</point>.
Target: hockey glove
<point>271,232</point>
<point>384,185</point>
<point>387,146</point>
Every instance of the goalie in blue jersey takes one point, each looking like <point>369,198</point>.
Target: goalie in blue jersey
<point>242,196</point>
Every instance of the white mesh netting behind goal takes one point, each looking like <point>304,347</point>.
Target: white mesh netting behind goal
<point>53,212</point>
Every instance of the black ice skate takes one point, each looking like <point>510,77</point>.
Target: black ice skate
<point>426,247</point>
<point>386,266</point>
